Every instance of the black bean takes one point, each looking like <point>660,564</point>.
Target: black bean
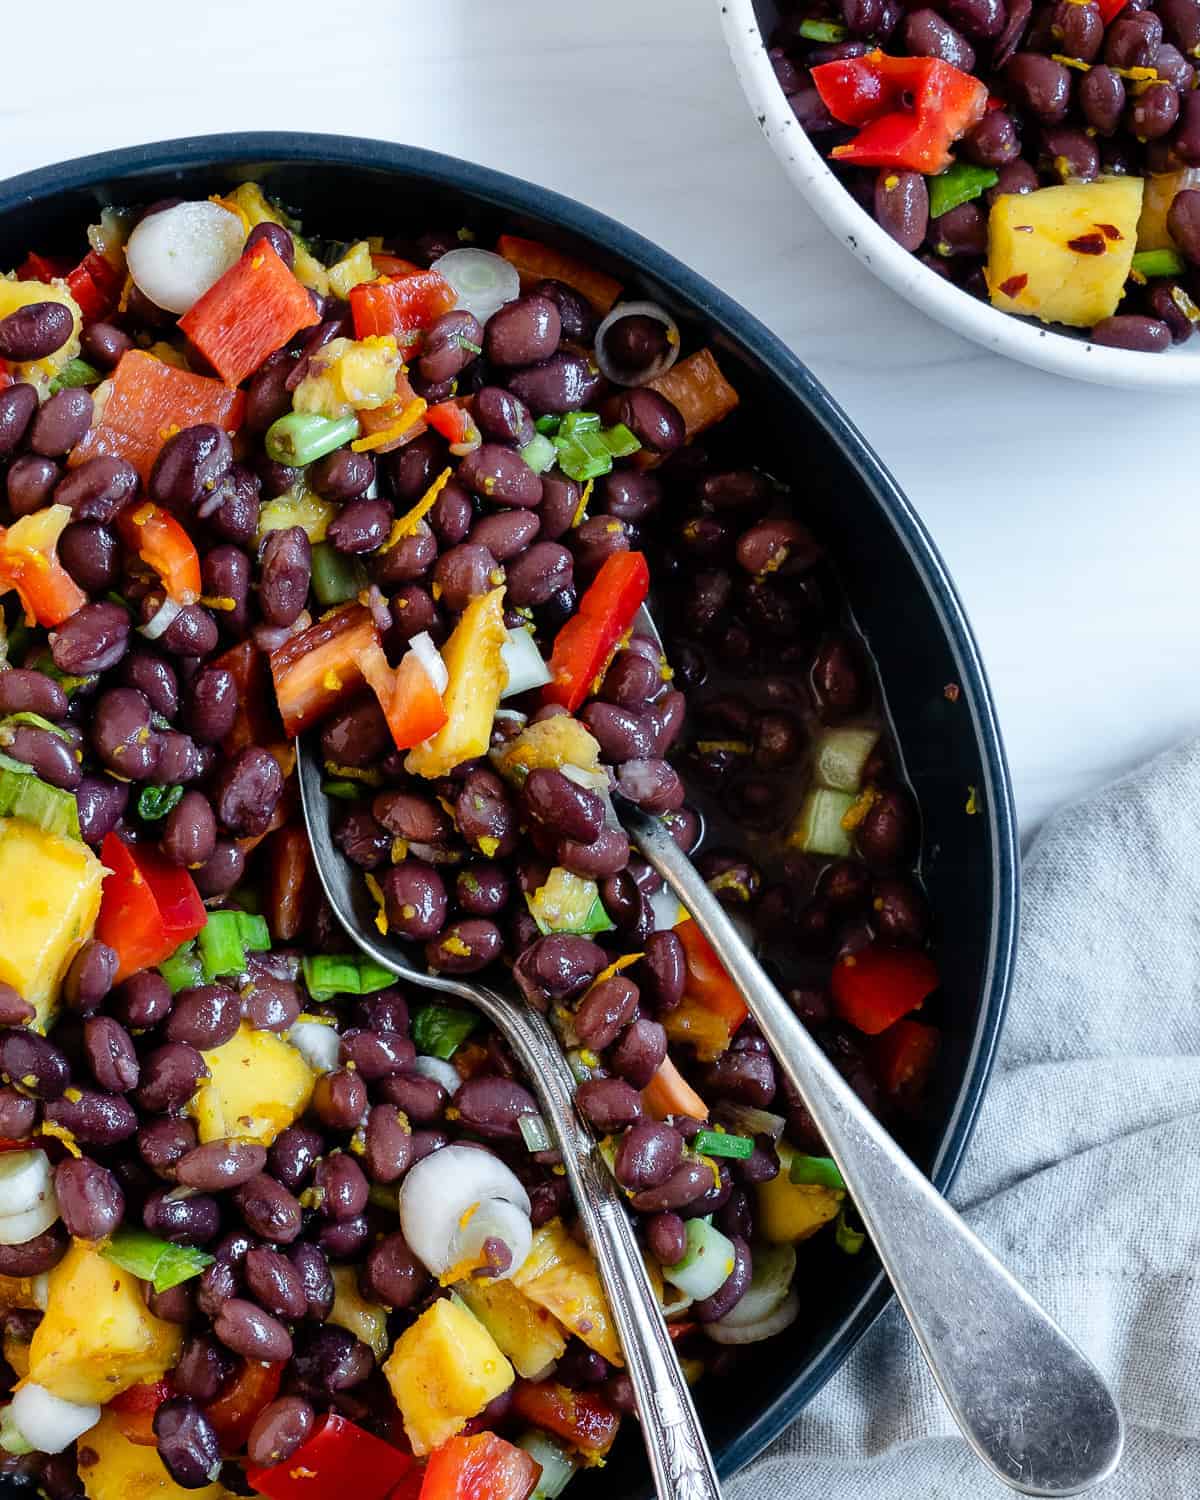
<point>236,517</point>
<point>248,790</point>
<point>18,405</point>
<point>902,206</point>
<point>269,1210</point>
<point>61,422</point>
<point>745,1077</point>
<point>91,555</point>
<point>449,346</point>
<point>170,1074</point>
<point>562,807</point>
<point>655,421</point>
<point>122,734</point>
<point>376,1054</point>
<point>35,1256</point>
<point>271,1004</point>
<point>187,1443</point>
<point>344,1239</point>
<point>284,575</point>
<point>565,382</point>
<point>557,967</point>
<point>293,1154</point>
<point>162,1143</point>
<point>491,1107</point>
<point>622,735</point>
<point>501,417</point>
<point>662,972</point>
<point>603,1013</point>
<point>649,1153</point>
<point>205,1017</point>
<point>340,1099</point>
<point>104,344</point>
<point>252,1333</point>
<point>498,474</point>
<point>1153,112</point>
<point>1129,331</point>
<point>340,1186</point>
<point>364,525</point>
<point>926,34</point>
<point>392,1274</point>
<point>30,482</point>
<point>318,1282</point>
<point>560,504</point>
<point>415,900</point>
<point>33,1063</point>
<point>651,784</point>
<point>212,704</point>
<point>13,1010</point>
<point>639,1053</point>
<point>275,1283</point>
<point>35,331</point>
<point>523,332</point>
<point>608,1104</point>
<point>183,1221</point>
<point>51,758</point>
<point>154,678</point>
<point>92,1117</point>
<point>93,639</point>
<point>190,831</point>
<point>417,1096</point>
<point>190,466</point>
<point>389,1141</point>
<point>1039,85</point>
<point>687,1183</point>
<point>328,1359</point>
<point>357,736</point>
<point>203,1368</point>
<point>89,1198</point>
<point>220,1164</point>
<point>18,1114</point>
<point>279,1430</point>
<point>605,855</point>
<point>1133,39</point>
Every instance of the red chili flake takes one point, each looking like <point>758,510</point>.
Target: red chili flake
<point>951,692</point>
<point>1109,231</point>
<point>1087,244</point>
<point>1013,285</point>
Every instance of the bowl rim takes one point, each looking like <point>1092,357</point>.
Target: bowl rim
<point>501,190</point>
<point>1019,338</point>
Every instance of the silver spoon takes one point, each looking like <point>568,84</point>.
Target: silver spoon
<point>675,1443</point>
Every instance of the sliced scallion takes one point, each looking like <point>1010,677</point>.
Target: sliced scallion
<point>958,184</point>
<point>720,1143</point>
<point>440,1030</point>
<point>183,970</point>
<point>335,576</point>
<point>558,1467</point>
<point>155,802</point>
<point>144,1255</point>
<point>539,453</point>
<point>1166,262</point>
<point>75,373</point>
<point>820,1171</point>
<point>848,1239</point>
<point>344,791</point>
<point>24,795</point>
<point>299,438</point>
<point>330,974</point>
<point>822,31</point>
<point>706,1263</point>
<point>220,947</point>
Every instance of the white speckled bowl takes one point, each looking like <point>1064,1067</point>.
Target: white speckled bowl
<point>746,24</point>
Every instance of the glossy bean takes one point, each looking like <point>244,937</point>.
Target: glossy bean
<point>310,1261</point>
<point>376,1054</point>
<point>465,947</point>
<point>1133,39</point>
<point>221,871</point>
<point>18,406</point>
<point>284,575</point>
<point>162,1143</point>
<point>247,791</point>
<point>18,1114</point>
<point>608,1104</point>
<point>499,475</point>
<point>491,1107</point>
<point>926,34</point>
<point>649,1153</point>
<point>251,1332</point>
<point>340,1099</point>
<point>415,899</point>
<point>565,382</point>
<point>279,1429</point>
<point>35,331</point>
<point>93,639</point>
<point>104,344</point>
<point>170,1074</point>
<point>293,1154</point>
<point>465,572</point>
<point>220,1164</point>
<point>639,1053</point>
<point>606,854</point>
<point>29,483</point>
<point>94,1118</point>
<point>1040,85</point>
<point>662,973</point>
<point>688,1182</point>
<point>33,1063</point>
<point>61,422</point>
<point>52,759</point>
<point>190,831</point>
<point>557,967</point>
<point>732,1290</point>
<point>1132,331</point>
<point>269,1210</point>
<point>523,331</point>
<point>652,784</point>
<point>190,466</point>
<point>182,1221</point>
<point>91,555</point>
<point>902,206</point>
<point>154,678</point>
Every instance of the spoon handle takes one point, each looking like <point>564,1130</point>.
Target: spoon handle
<point>1035,1411</point>
<point>678,1451</point>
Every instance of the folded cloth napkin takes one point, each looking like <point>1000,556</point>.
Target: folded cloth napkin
<point>1083,1174</point>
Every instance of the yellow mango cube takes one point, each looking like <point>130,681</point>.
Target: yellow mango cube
<point>548,746</point>
<point>443,1371</point>
<point>560,1275</point>
<point>113,1468</point>
<point>528,1334</point>
<point>355,267</point>
<point>351,1310</point>
<point>1062,254</point>
<point>257,1085</point>
<point>350,375</point>
<point>49,901</point>
<point>477,678</point>
<point>792,1211</point>
<point>98,1337</point>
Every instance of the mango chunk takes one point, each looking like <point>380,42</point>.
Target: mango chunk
<point>257,1085</point>
<point>49,901</point>
<point>792,1211</point>
<point>560,1275</point>
<point>477,678</point>
<point>443,1371</point>
<point>98,1336</point>
<point>1063,254</point>
<point>528,1334</point>
<point>548,746</point>
<point>113,1468</point>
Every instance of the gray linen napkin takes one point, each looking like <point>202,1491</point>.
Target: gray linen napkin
<point>1084,1172</point>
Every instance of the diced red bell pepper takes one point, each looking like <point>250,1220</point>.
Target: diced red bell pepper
<point>707,981</point>
<point>148,403</point>
<point>411,703</point>
<point>669,1093</point>
<point>134,1410</point>
<point>37,267</point>
<point>537,262</point>
<point>319,668</point>
<point>162,544</point>
<point>483,1467</point>
<point>453,421</point>
<point>148,906</point>
<point>254,723</point>
<point>700,392</point>
<point>911,109</point>
<point>1111,9</point>
<point>29,564</point>
<point>392,265</point>
<point>96,284</point>
<point>400,305</point>
<point>582,1419</point>
<point>251,1387</point>
<point>586,643</point>
<point>254,309</point>
<point>874,987</point>
<point>904,1056</point>
<point>340,1461</point>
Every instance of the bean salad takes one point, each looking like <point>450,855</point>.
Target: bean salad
<point>1044,155</point>
<point>270,1222</point>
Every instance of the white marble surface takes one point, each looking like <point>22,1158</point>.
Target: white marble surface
<point>1067,513</point>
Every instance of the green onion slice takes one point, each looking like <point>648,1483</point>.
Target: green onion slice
<point>156,802</point>
<point>335,576</point>
<point>822,31</point>
<point>24,795</point>
<point>183,970</point>
<point>439,1030</point>
<point>820,1170</point>
<point>344,791</point>
<point>848,1239</point>
<point>330,974</point>
<point>958,184</point>
<point>721,1143</point>
<point>143,1254</point>
<point>1166,262</point>
<point>76,372</point>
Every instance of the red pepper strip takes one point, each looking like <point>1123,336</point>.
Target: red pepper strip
<point>319,668</point>
<point>37,267</point>
<point>1110,9</point>
<point>581,1418</point>
<point>707,982</point>
<point>669,1093</point>
<point>251,1387</point>
<point>255,722</point>
<point>586,643</point>
<point>29,563</point>
<point>537,262</point>
<point>904,1057</point>
<point>339,1462</point>
<point>483,1467</point>
<point>912,108</point>
<point>96,284</point>
<point>876,986</point>
<point>411,703</point>
<point>149,402</point>
<point>134,1410</point>
<point>254,309</point>
<point>392,265</point>
<point>162,544</point>
<point>451,420</point>
<point>400,305</point>
<point>148,907</point>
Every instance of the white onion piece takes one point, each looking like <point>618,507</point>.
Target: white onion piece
<point>39,1290</point>
<point>15,1229</point>
<point>161,620</point>
<point>613,371</point>
<point>25,1179</point>
<point>521,657</point>
<point>664,904</point>
<point>48,1422</point>
<point>440,1071</point>
<point>753,1333</point>
<point>482,280</point>
<point>422,647</point>
<point>494,1220</point>
<point>774,1269</point>
<point>175,256</point>
<point>442,1190</point>
<point>317,1044</point>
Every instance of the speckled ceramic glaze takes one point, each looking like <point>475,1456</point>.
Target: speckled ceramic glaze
<point>746,23</point>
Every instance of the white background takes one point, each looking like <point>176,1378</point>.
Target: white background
<point>1067,513</point>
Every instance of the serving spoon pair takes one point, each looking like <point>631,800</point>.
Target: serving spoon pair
<point>1036,1412</point>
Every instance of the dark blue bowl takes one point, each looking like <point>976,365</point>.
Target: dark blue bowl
<point>898,587</point>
